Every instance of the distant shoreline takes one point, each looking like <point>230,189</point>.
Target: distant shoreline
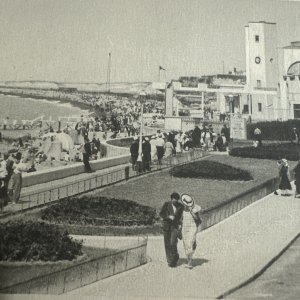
<point>80,105</point>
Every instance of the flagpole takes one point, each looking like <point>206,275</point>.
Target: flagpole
<point>159,74</point>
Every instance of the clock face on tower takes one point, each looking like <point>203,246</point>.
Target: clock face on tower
<point>257,59</point>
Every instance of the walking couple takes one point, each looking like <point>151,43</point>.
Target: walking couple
<point>181,220</point>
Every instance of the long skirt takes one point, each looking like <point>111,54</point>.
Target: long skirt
<point>284,183</point>
<point>189,232</point>
<point>14,187</point>
<point>160,152</point>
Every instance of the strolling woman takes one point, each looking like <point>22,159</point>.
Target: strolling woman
<point>190,226</point>
<point>284,177</point>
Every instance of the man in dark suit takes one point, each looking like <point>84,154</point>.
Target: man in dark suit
<point>86,154</point>
<point>146,150</point>
<point>196,137</point>
<point>134,151</point>
<point>171,214</point>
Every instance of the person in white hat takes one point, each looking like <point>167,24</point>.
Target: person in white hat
<point>160,143</point>
<point>190,224</point>
<point>153,148</point>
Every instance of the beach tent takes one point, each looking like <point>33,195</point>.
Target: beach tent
<point>74,136</point>
<point>66,141</point>
<point>54,151</point>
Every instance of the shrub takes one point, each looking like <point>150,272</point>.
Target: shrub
<point>210,169</point>
<point>99,211</point>
<point>273,130</point>
<point>271,151</point>
<point>34,241</point>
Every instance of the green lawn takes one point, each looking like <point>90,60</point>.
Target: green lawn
<point>156,188</point>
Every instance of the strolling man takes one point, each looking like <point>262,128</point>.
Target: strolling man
<point>86,154</point>
<point>171,213</point>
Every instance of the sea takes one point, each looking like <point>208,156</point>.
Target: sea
<point>18,108</point>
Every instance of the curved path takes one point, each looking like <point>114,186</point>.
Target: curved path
<point>228,254</point>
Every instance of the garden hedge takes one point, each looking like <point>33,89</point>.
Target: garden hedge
<point>210,169</point>
<point>273,130</point>
<point>276,151</point>
<point>99,211</point>
<point>36,241</point>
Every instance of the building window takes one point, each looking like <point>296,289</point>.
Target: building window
<point>258,82</point>
<point>259,107</point>
<point>246,109</point>
<point>297,111</point>
<point>257,38</point>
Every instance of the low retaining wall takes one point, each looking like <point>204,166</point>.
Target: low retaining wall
<point>84,273</point>
<point>45,176</point>
<point>97,269</point>
<point>222,211</point>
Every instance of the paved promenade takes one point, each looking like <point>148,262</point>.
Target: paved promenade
<point>228,254</point>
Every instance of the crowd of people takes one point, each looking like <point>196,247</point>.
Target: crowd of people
<point>11,169</point>
<point>166,144</point>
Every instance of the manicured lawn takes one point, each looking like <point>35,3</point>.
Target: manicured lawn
<point>156,188</point>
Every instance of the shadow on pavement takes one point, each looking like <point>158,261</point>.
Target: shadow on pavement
<point>197,262</point>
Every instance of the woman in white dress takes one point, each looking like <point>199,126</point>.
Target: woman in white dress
<point>168,149</point>
<point>190,223</point>
<point>153,148</point>
<point>178,139</point>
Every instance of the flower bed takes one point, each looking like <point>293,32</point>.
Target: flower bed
<point>99,211</point>
<point>211,170</point>
<point>271,151</point>
<point>36,241</point>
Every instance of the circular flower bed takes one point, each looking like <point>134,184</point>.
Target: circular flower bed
<point>36,241</point>
<point>99,211</point>
<point>211,170</point>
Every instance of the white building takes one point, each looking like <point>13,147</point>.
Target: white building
<point>272,89</point>
<point>289,81</point>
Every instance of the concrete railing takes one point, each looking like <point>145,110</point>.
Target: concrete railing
<point>85,273</point>
<point>53,193</point>
<point>56,173</point>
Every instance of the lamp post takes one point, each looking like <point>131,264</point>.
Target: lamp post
<point>142,97</point>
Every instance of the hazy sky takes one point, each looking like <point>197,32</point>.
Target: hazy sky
<point>69,40</point>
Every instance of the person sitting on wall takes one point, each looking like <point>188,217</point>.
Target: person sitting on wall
<point>294,136</point>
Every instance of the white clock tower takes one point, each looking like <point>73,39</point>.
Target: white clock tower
<point>261,55</point>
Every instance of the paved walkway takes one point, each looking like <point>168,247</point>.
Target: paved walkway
<point>228,254</point>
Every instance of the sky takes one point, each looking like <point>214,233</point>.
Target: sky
<point>69,40</point>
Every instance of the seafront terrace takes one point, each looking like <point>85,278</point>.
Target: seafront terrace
<point>42,187</point>
<point>227,256</point>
